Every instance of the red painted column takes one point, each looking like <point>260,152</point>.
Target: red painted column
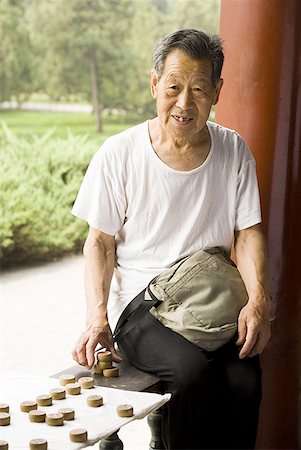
<point>261,99</point>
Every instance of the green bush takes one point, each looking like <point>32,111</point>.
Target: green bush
<point>39,182</point>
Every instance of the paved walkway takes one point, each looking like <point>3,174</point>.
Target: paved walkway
<point>42,312</point>
<point>55,107</point>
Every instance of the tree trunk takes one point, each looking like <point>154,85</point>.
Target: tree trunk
<point>95,93</point>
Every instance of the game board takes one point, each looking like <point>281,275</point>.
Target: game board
<point>98,421</point>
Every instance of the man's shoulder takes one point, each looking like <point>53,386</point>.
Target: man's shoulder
<point>122,147</point>
<point>128,136</point>
<point>227,138</point>
<point>222,131</point>
<point>230,145</point>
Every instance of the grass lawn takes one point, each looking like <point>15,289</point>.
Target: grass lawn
<point>37,123</point>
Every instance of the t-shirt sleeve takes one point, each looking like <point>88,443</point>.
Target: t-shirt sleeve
<point>248,210</point>
<point>101,200</point>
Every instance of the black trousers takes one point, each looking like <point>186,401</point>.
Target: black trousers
<point>215,395</point>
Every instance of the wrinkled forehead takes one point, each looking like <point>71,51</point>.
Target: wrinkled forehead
<point>178,63</point>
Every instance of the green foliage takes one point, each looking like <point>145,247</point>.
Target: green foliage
<point>96,50</point>
<point>40,177</point>
<point>75,33</point>
<point>16,58</point>
<point>202,15</point>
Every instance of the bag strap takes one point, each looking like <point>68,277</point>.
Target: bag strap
<point>133,314</point>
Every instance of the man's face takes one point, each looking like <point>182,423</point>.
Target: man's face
<point>184,94</point>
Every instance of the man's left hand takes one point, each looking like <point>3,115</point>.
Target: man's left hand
<point>254,329</point>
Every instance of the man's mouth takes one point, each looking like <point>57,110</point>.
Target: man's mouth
<point>182,119</point>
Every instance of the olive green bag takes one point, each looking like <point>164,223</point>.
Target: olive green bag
<point>199,297</point>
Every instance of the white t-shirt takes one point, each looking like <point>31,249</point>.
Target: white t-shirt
<point>159,215</point>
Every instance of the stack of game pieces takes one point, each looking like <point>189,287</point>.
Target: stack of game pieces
<point>104,365</point>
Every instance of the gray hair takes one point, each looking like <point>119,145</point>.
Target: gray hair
<point>194,43</point>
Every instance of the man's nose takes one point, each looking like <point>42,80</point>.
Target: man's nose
<point>184,100</point>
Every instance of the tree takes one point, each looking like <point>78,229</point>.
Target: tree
<point>16,59</point>
<point>101,50</point>
<point>202,15</point>
<point>84,42</point>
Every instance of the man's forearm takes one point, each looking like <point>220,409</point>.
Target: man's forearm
<point>254,330</point>
<point>99,255</point>
<point>99,252</point>
<point>252,263</point>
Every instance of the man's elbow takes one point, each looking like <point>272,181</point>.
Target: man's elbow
<point>99,242</point>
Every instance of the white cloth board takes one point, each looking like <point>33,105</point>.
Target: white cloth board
<point>99,422</point>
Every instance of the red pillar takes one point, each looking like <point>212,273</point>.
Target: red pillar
<point>261,99</point>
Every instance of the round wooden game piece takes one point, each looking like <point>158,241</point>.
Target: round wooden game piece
<point>68,413</point>
<point>112,372</point>
<point>104,364</point>
<point>55,419</point>
<point>4,419</point>
<point>94,400</point>
<point>78,435</point>
<point>3,445</point>
<point>97,370</point>
<point>4,407</point>
<point>104,356</point>
<point>37,415</point>
<point>44,400</point>
<point>38,444</point>
<point>66,379</point>
<point>28,405</point>
<point>58,393</point>
<point>73,388</point>
<point>86,382</point>
<point>125,411</point>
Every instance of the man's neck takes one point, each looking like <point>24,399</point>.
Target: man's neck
<point>180,153</point>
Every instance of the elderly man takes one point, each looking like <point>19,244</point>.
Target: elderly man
<point>154,194</point>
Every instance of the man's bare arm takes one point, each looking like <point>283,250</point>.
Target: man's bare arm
<point>99,253</point>
<point>254,319</point>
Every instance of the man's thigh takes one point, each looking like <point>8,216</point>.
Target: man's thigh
<point>155,348</point>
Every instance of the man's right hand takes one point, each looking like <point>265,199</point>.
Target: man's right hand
<point>96,333</point>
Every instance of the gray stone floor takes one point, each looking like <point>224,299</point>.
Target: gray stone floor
<point>42,312</point>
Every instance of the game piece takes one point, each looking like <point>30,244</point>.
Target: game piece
<point>4,407</point>
<point>58,393</point>
<point>78,435</point>
<point>125,411</point>
<point>38,444</point>
<point>37,415</point>
<point>4,419</point>
<point>3,445</point>
<point>97,370</point>
<point>44,400</point>
<point>28,405</point>
<point>104,356</point>
<point>66,379</point>
<point>86,382</point>
<point>94,400</point>
<point>73,388</point>
<point>104,364</point>
<point>55,419</point>
<point>68,413</point>
<point>112,372</point>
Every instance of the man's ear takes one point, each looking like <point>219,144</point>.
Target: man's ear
<point>218,91</point>
<point>154,83</point>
